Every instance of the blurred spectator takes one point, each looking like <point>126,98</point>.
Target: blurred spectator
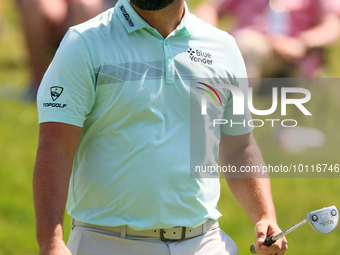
<point>275,36</point>
<point>281,38</point>
<point>45,22</point>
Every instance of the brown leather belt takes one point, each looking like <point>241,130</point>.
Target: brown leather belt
<point>166,235</point>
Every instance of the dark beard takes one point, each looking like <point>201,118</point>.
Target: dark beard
<point>151,5</point>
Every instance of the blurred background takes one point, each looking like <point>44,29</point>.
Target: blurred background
<point>30,31</point>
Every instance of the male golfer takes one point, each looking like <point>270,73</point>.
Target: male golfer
<point>114,139</point>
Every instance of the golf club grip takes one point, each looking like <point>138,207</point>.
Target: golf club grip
<point>269,241</point>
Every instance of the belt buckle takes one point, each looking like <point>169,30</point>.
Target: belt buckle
<point>161,233</point>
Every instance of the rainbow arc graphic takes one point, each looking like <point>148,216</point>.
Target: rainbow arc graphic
<point>204,99</point>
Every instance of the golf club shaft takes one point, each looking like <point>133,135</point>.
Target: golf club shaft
<point>288,230</point>
<point>272,239</point>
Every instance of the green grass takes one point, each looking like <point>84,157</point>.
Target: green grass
<point>293,197</point>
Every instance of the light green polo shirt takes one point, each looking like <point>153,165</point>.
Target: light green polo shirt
<point>130,91</point>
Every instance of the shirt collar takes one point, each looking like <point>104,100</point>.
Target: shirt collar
<point>187,21</point>
<point>132,21</point>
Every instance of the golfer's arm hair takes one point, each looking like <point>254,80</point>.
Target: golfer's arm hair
<point>253,193</point>
<point>56,149</point>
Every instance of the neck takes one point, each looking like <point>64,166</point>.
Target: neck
<point>165,20</point>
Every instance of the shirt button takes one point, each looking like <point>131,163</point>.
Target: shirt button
<point>166,42</point>
<point>169,60</point>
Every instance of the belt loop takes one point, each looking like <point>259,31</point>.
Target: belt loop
<point>204,227</point>
<point>183,232</point>
<point>123,231</point>
<point>72,223</point>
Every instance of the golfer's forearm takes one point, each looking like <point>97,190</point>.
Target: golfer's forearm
<point>50,186</point>
<point>253,194</point>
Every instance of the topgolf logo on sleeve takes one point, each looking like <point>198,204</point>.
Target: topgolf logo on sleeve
<point>56,91</point>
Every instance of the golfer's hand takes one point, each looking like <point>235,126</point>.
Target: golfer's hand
<point>57,247</point>
<point>264,229</point>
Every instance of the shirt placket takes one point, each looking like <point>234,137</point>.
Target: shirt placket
<point>168,56</point>
<point>169,62</point>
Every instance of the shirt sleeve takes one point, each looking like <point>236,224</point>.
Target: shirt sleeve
<point>67,91</point>
<point>238,124</point>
